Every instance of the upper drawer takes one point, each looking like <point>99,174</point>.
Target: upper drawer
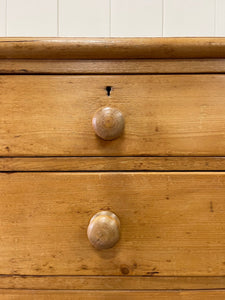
<point>164,115</point>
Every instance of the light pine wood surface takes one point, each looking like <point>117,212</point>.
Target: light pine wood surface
<point>10,164</point>
<point>111,295</point>
<point>172,224</point>
<point>125,282</point>
<point>110,48</point>
<point>166,115</point>
<point>113,66</point>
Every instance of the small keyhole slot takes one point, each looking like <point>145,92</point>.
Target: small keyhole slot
<point>108,90</point>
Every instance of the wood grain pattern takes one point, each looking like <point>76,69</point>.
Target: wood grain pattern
<point>111,295</point>
<point>165,115</point>
<point>104,230</point>
<point>113,66</point>
<point>112,282</point>
<point>111,48</point>
<point>10,164</point>
<point>172,224</point>
<point>108,122</point>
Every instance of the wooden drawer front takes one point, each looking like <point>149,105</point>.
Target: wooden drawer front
<point>164,115</point>
<point>172,224</point>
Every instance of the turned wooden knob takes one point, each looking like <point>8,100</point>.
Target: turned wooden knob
<point>104,230</point>
<point>108,123</point>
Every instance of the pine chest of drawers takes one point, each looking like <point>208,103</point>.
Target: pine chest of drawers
<point>112,168</point>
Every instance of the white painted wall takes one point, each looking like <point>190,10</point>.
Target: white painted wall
<point>116,18</point>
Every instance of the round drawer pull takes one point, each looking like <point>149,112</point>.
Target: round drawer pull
<point>108,123</point>
<point>104,230</point>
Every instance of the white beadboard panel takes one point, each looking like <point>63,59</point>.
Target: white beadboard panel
<point>2,18</point>
<point>32,18</point>
<point>220,18</point>
<point>189,18</point>
<point>136,18</point>
<point>84,18</point>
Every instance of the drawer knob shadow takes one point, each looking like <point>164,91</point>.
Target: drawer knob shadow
<point>108,123</point>
<point>104,230</point>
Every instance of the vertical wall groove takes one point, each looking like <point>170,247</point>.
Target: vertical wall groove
<point>163,17</point>
<point>57,17</point>
<point>110,18</point>
<point>6,24</point>
<point>215,8</point>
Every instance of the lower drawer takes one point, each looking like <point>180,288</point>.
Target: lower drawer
<point>172,224</point>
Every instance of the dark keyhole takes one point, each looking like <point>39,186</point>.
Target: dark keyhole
<point>108,90</point>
